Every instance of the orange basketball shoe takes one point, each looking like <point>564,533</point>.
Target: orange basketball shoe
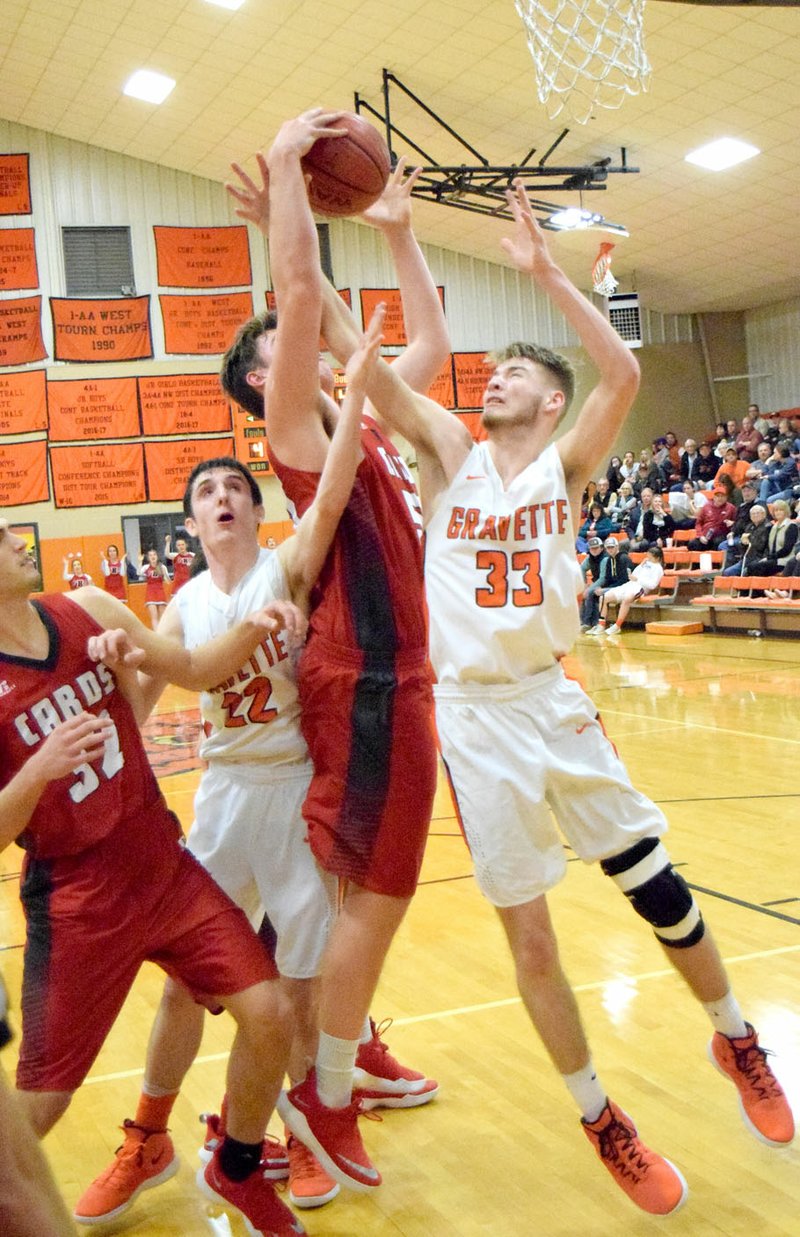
<point>764,1107</point>
<point>144,1160</point>
<point>309,1184</point>
<point>649,1180</point>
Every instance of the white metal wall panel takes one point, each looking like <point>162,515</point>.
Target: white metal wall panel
<point>773,350</point>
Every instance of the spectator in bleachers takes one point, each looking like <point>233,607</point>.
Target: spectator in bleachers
<point>741,523</point>
<point>733,466</point>
<point>714,522</point>
<point>638,541</point>
<point>720,435</point>
<point>708,465</point>
<point>605,495</point>
<point>588,498</point>
<point>590,570</point>
<point>760,423</point>
<point>629,468</point>
<point>758,466</point>
<point>690,464</point>
<point>613,473</point>
<point>649,475</point>
<point>684,505</point>
<point>747,440</point>
<point>624,510</point>
<point>658,525</point>
<point>780,475</point>
<point>779,430</point>
<point>644,578</point>
<point>615,568</point>
<point>596,524</point>
<point>733,492</point>
<point>671,467</point>
<point>751,545</point>
<point>781,542</point>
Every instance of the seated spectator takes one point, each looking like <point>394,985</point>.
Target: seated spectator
<point>629,468</point>
<point>747,440</point>
<point>605,495</point>
<point>759,465</point>
<point>597,524</point>
<point>590,570</point>
<point>732,491</point>
<point>792,568</point>
<point>588,498</point>
<point>708,466</point>
<point>779,476</point>
<point>644,579</point>
<point>733,466</point>
<point>615,477</point>
<point>624,508</point>
<point>658,525</point>
<point>714,522</point>
<point>638,541</point>
<point>732,542</point>
<point>615,569</point>
<point>649,475</point>
<point>671,467</point>
<point>684,504</point>
<point>751,545</point>
<point>760,423</point>
<point>781,543</point>
<point>720,435</point>
<point>690,464</point>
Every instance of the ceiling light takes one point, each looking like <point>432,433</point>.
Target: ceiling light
<point>726,152</point>
<point>575,218</point>
<point>227,4</point>
<point>148,85</point>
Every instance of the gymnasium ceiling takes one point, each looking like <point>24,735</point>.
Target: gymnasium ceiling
<point>700,241</point>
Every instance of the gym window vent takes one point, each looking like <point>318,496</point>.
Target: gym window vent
<point>98,261</point>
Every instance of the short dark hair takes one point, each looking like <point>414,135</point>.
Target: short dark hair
<point>555,364</point>
<point>241,357</point>
<point>222,461</point>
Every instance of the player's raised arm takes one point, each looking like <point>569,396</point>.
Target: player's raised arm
<point>426,328</point>
<point>305,553</point>
<point>590,439</point>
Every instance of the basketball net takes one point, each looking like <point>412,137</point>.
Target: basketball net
<point>587,53</point>
<point>603,281</point>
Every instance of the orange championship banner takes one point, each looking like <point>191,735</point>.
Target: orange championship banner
<point>111,475</point>
<point>21,331</point>
<point>472,373</point>
<point>184,404</point>
<point>100,330</point>
<point>23,402</point>
<point>23,473</point>
<point>169,464</point>
<point>100,408</point>
<point>250,440</point>
<point>18,267</point>
<point>202,257</point>
<point>394,328</point>
<point>203,325</point>
<point>15,185</point>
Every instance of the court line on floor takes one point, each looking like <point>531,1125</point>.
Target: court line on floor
<point>483,1007</point>
<point>717,730</point>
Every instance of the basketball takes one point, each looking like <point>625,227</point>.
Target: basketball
<point>348,173</point>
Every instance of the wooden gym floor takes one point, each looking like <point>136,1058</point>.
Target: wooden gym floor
<point>708,728</point>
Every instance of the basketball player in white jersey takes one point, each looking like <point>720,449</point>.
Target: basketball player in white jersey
<point>523,744</point>
<point>248,830</point>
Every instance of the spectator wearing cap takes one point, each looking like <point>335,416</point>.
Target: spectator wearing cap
<point>733,466</point>
<point>732,545</point>
<point>615,569</point>
<point>590,570</point>
<point>596,524</point>
<point>713,523</point>
<point>707,466</point>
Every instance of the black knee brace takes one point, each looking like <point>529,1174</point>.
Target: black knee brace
<point>646,876</point>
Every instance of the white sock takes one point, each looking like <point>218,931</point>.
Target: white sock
<point>155,1092</point>
<point>336,1060</point>
<point>726,1016</point>
<point>586,1091</point>
<point>366,1031</point>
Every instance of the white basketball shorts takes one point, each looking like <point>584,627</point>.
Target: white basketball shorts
<point>526,760</point>
<point>249,833</point>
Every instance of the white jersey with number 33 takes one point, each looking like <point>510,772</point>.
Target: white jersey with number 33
<point>501,573</point>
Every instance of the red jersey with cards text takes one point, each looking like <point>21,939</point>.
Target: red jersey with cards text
<point>369,595</point>
<point>76,811</point>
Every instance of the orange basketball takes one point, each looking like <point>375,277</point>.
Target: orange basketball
<point>348,173</point>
